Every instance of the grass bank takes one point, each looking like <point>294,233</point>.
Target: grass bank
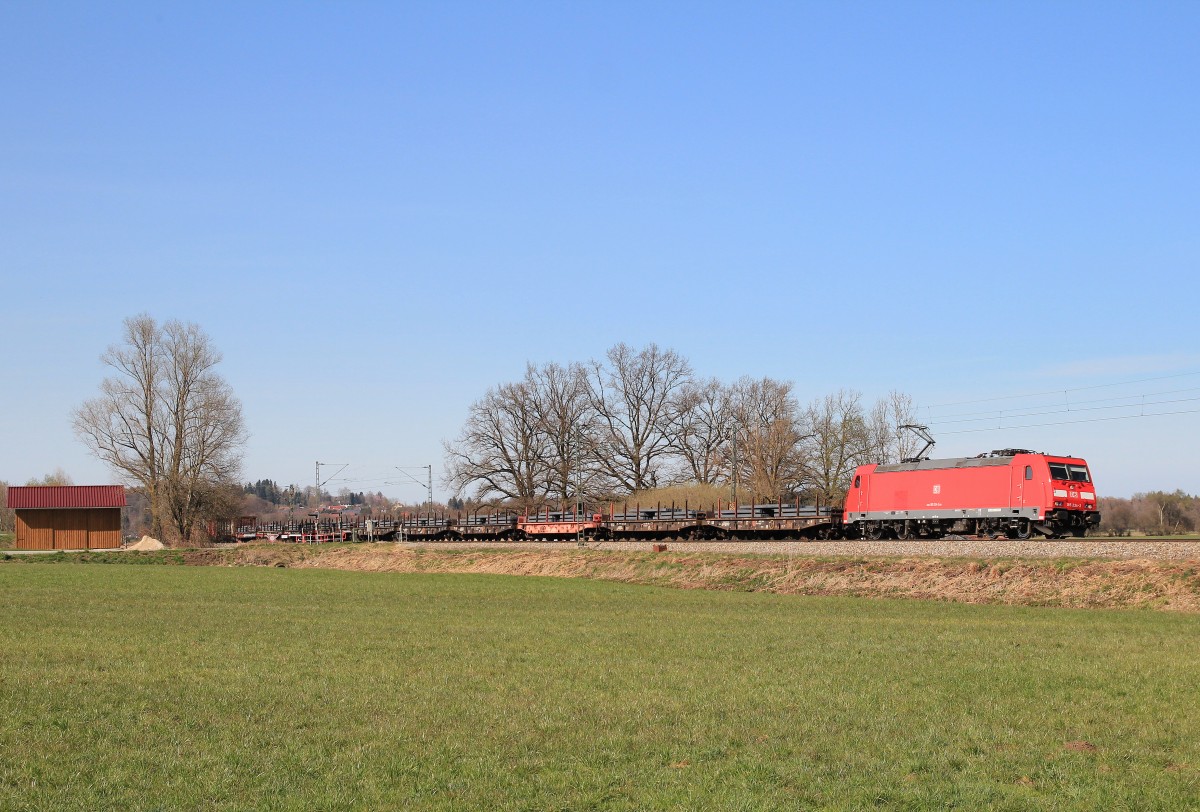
<point>1170,584</point>
<point>230,688</point>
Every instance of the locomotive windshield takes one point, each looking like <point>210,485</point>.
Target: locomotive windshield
<point>1073,473</point>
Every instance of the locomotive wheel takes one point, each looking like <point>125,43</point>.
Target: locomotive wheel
<point>1023,529</point>
<point>874,532</point>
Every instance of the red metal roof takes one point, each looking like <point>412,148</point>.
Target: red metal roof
<point>66,496</point>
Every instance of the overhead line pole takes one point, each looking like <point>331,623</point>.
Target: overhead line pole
<point>429,481</point>
<point>331,476</point>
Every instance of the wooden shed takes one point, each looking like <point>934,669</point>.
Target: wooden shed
<point>70,517</point>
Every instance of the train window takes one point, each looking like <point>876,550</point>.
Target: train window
<point>1058,471</point>
<point>1078,473</point>
<point>857,481</point>
<point>1029,472</point>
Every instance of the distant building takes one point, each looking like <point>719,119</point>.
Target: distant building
<point>68,517</point>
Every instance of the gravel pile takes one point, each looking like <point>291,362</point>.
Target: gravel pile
<point>944,548</point>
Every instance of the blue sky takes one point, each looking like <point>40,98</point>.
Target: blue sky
<point>377,211</point>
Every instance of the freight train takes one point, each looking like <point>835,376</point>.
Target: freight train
<point>1014,493</point>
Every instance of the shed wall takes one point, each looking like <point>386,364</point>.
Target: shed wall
<point>68,529</point>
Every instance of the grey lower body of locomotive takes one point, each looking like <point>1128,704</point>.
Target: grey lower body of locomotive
<point>935,523</point>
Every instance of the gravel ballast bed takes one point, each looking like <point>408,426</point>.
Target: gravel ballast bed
<point>944,548</point>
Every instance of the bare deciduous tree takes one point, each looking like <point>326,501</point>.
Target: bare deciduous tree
<point>632,396</point>
<point>886,442</point>
<point>770,457</point>
<point>8,517</point>
<point>701,421</point>
<point>560,403</point>
<point>836,442</point>
<point>502,448</point>
<point>166,421</point>
<point>58,478</point>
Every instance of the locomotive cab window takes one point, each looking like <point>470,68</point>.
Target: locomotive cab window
<point>857,481</point>
<point>1071,473</point>
<point>1029,472</point>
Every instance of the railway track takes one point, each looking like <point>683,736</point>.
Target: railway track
<point>1178,549</point>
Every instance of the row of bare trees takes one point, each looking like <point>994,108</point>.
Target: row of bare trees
<point>1157,513</point>
<point>640,419</point>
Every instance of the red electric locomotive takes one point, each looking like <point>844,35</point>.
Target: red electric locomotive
<point>1013,492</point>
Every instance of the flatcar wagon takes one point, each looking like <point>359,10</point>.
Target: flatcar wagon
<point>1013,492</point>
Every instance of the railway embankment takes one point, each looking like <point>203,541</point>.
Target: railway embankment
<point>1142,575</point>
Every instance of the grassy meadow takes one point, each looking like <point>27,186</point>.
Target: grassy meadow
<point>134,687</point>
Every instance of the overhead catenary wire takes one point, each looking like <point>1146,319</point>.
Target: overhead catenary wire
<point>1071,422</point>
<point>1070,405</point>
<point>1135,403</point>
<point>1019,416</point>
<point>1064,391</point>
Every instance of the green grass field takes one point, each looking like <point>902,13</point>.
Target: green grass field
<point>133,687</point>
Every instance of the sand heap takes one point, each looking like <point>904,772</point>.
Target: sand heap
<point>147,543</point>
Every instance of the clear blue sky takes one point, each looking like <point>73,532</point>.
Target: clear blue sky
<point>377,211</point>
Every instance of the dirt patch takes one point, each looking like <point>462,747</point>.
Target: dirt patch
<point>1156,584</point>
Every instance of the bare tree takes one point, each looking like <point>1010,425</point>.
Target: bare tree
<point>8,517</point>
<point>701,421</point>
<point>770,459</point>
<point>502,449</point>
<point>559,399</point>
<point>886,441</point>
<point>58,478</point>
<point>1171,510</point>
<point>1120,515</point>
<point>166,421</point>
<point>632,396</point>
<point>836,443</point>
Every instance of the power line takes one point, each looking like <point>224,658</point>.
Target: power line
<point>1072,422</point>
<point>1059,391</point>
<point>1019,413</point>
<point>1069,405</point>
